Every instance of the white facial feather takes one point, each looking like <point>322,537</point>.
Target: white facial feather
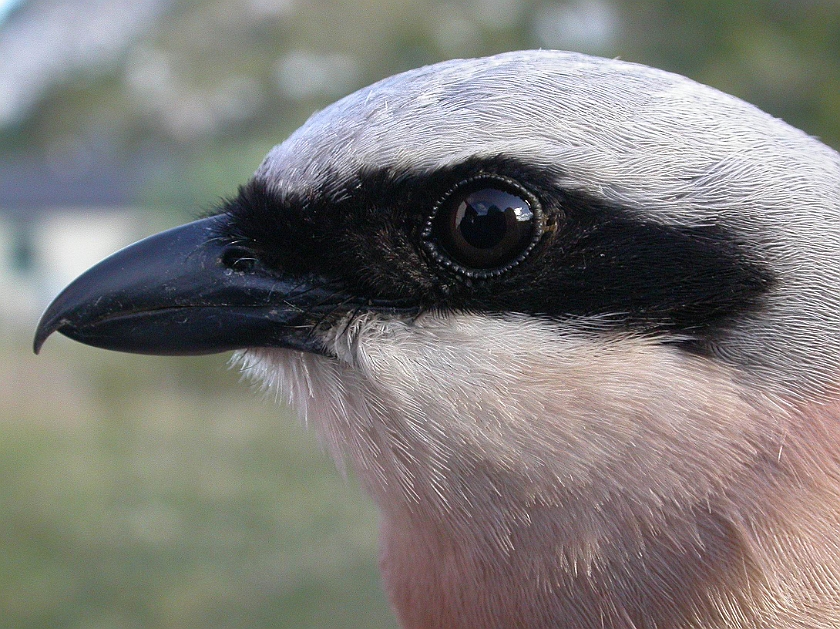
<point>652,142</point>
<point>457,404</point>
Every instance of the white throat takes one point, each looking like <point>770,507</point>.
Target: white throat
<point>474,416</point>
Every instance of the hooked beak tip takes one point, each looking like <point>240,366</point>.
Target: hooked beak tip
<point>45,329</point>
<point>56,318</point>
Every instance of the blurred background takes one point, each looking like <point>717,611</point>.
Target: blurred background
<point>162,493</point>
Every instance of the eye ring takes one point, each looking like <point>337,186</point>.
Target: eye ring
<point>500,242</point>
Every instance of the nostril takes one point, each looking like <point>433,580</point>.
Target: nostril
<point>238,259</point>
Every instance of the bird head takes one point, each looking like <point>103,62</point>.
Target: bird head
<point>539,301</point>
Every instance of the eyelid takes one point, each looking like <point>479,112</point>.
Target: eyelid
<point>431,241</point>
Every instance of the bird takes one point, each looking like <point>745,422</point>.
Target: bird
<point>573,322</point>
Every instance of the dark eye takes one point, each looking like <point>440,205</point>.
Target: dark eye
<point>484,226</point>
<point>239,259</point>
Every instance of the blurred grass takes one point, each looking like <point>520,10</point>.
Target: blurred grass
<point>144,492</point>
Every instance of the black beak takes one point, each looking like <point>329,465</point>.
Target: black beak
<point>186,291</point>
